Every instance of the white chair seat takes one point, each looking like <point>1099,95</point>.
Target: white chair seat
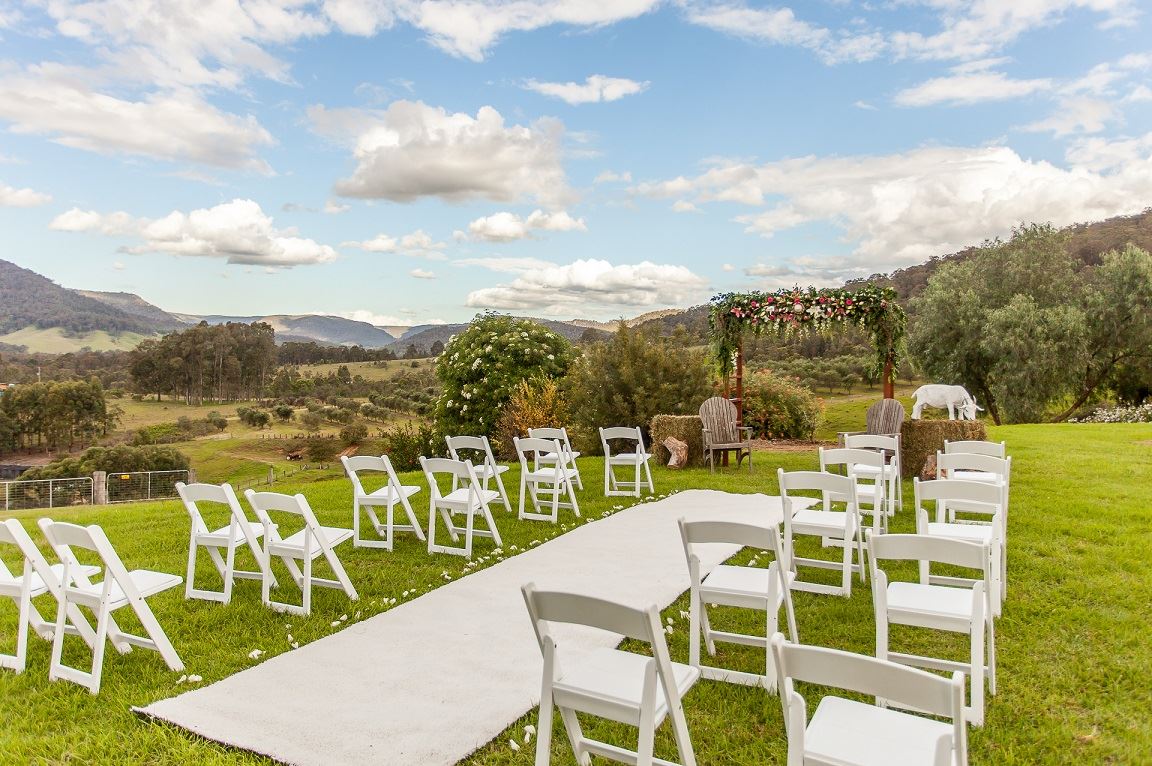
<point>294,543</point>
<point>976,533</point>
<point>854,733</point>
<point>861,469</point>
<point>385,495</point>
<point>550,457</point>
<point>741,584</point>
<point>219,537</point>
<point>629,458</point>
<point>36,583</point>
<point>967,475</point>
<point>146,581</point>
<point>817,522</point>
<point>616,678</point>
<point>487,472</point>
<point>548,474</point>
<point>458,499</point>
<point>936,600</point>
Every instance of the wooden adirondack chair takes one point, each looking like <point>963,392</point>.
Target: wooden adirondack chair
<point>718,416</point>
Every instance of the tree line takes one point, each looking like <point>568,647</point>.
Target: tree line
<point>225,362</point>
<point>54,415</point>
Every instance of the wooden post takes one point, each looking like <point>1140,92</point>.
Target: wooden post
<point>740,385</point>
<point>889,385</point>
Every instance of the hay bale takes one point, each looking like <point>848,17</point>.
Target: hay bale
<point>923,438</point>
<point>687,428</point>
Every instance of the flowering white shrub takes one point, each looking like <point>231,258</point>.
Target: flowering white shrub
<point>1141,413</point>
<point>482,367</point>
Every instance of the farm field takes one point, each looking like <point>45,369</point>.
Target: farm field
<point>1075,670</point>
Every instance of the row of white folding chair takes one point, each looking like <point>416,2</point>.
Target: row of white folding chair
<point>366,501</point>
<point>483,462</point>
<point>69,583</point>
<point>867,468</point>
<point>642,691</point>
<point>306,544</point>
<point>971,466</point>
<point>567,456</point>
<point>889,447</point>
<point>841,528</point>
<point>467,496</point>
<point>546,468</point>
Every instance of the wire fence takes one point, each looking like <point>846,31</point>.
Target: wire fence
<point>46,493</point>
<point>143,485</point>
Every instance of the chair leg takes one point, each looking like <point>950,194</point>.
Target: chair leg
<point>190,579</point>
<point>155,631</point>
<point>575,736</point>
<point>544,728</point>
<point>849,554</point>
<point>416,527</point>
<point>646,741</point>
<point>572,497</point>
<point>976,677</point>
<point>694,628</point>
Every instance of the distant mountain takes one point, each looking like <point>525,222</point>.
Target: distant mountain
<point>423,336</point>
<point>335,331</point>
<point>29,300</point>
<point>612,325</point>
<point>138,307</point>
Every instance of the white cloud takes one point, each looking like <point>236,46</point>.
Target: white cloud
<point>864,105</point>
<point>404,319</point>
<point>806,271</point>
<point>331,207</point>
<point>506,265</point>
<point>119,266</point>
<point>1077,114</point>
<point>418,244</point>
<point>610,176</point>
<point>469,28</point>
<point>421,274</point>
<point>360,17</point>
<point>901,209</point>
<point>238,231</point>
<point>590,285</point>
<point>508,227</point>
<point>412,150</point>
<point>684,206</point>
<point>13,197</point>
<point>594,89</point>
<point>1100,154</point>
<point>178,126</point>
<point>970,88</point>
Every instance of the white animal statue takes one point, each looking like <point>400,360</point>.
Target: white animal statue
<point>955,398</point>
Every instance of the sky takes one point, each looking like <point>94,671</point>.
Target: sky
<point>413,161</point>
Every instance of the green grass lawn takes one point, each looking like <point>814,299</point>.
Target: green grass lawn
<point>1074,656</point>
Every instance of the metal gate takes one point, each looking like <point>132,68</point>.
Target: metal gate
<point>143,485</point>
<point>45,493</point>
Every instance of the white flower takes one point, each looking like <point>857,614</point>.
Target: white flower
<point>181,679</point>
<point>295,645</point>
<point>255,654</point>
<point>512,744</point>
<point>195,679</point>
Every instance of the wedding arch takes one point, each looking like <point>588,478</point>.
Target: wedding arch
<point>805,310</point>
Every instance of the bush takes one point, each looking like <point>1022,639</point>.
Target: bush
<point>283,412</point>
<point>920,439</point>
<point>122,459</point>
<point>779,408</point>
<point>405,444</point>
<point>353,434</point>
<point>319,450</point>
<point>311,421</point>
<point>159,433</point>
<point>632,377</point>
<point>687,428</point>
<point>534,404</point>
<point>253,418</point>
<point>481,368</point>
<point>1139,414</point>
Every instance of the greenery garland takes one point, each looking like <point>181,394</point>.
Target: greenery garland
<point>808,310</point>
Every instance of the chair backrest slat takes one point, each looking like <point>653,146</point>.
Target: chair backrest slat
<point>976,447</point>
<point>941,550</point>
<point>971,461</point>
<point>578,609</point>
<point>988,493</point>
<point>849,457</point>
<point>884,442</point>
<point>718,416</point>
<point>622,433</point>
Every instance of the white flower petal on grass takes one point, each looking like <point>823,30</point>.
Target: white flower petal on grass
<point>181,679</point>
<point>255,654</point>
<point>512,744</point>
<point>335,623</point>
<point>290,639</point>
<point>668,630</point>
<point>295,645</point>
<point>195,679</point>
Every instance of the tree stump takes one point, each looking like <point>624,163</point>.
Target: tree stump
<point>929,471</point>
<point>920,439</point>
<point>678,452</point>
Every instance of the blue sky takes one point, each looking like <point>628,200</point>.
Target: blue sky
<point>405,162</point>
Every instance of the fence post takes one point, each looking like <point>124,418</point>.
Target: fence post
<point>99,488</point>
<point>271,475</point>
<point>191,475</point>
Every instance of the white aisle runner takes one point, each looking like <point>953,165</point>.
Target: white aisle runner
<point>431,680</point>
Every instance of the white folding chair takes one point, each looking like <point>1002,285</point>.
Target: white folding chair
<point>305,545</point>
<point>119,588</point>
<point>621,686</point>
<point>470,499</point>
<point>889,447</point>
<point>637,459</point>
<point>36,577</point>
<point>764,589</point>
<point>553,481</point>
<point>239,530</point>
<point>561,435</point>
<point>976,447</point>
<point>921,604</point>
<point>845,732</point>
<point>945,493</point>
<point>870,485</point>
<point>971,466</point>
<point>366,502</point>
<point>843,526</point>
<point>486,468</point>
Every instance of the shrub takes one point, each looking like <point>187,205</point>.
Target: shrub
<point>159,433</point>
<point>481,368</point>
<point>253,418</point>
<point>122,459</point>
<point>353,434</point>
<point>779,408</point>
<point>686,428</point>
<point>283,412</point>
<point>534,404</point>
<point>311,421</point>
<point>405,444</point>
<point>1139,414</point>
<point>632,377</point>
<point>320,450</point>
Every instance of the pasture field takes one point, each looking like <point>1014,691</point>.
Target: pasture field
<point>385,370</point>
<point>1075,666</point>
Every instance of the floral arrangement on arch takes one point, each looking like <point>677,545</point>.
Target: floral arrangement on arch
<point>808,310</point>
